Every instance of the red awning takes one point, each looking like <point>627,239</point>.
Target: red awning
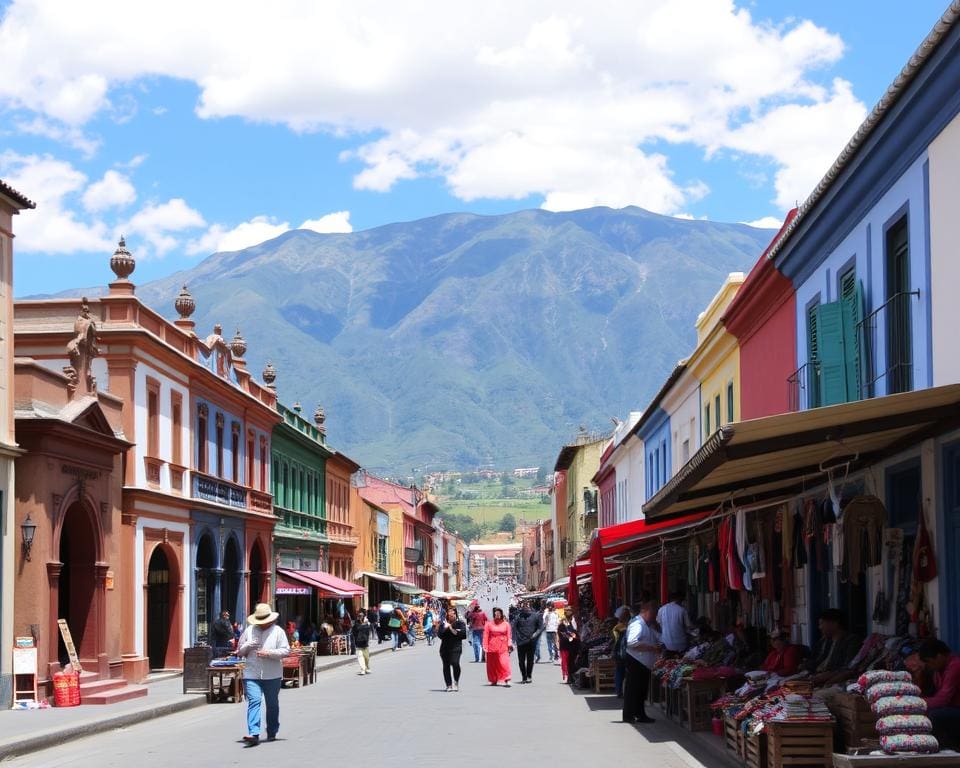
<point>325,583</point>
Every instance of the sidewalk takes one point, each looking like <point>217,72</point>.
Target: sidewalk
<point>25,731</point>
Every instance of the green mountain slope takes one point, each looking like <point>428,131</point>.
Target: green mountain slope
<point>450,340</point>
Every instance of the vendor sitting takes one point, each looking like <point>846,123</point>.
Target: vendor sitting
<point>784,658</point>
<point>830,664</point>
<point>943,706</point>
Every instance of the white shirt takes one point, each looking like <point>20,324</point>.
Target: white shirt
<point>638,631</point>
<point>675,624</point>
<point>551,621</point>
<point>273,640</point>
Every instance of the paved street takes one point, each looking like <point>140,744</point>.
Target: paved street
<point>398,715</point>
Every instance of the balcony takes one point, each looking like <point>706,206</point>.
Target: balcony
<point>261,502</point>
<point>219,491</point>
<point>341,533</point>
<point>887,351</point>
<point>803,387</point>
<point>300,521</point>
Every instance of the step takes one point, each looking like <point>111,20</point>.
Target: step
<point>100,686</point>
<point>116,695</point>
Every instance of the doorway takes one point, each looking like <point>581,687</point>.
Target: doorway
<point>77,587</point>
<point>205,594</point>
<point>158,608</point>
<point>257,565</point>
<point>231,578</point>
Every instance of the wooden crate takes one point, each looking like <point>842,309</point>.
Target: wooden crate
<point>733,738</point>
<point>603,673</point>
<point>799,744</point>
<point>695,702</point>
<point>856,720</point>
<point>755,750</point>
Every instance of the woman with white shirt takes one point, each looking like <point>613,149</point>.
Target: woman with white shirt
<point>263,645</point>
<point>643,644</point>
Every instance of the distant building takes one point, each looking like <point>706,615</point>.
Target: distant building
<point>496,561</point>
<point>526,471</point>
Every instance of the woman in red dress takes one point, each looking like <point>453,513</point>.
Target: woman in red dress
<point>497,645</point>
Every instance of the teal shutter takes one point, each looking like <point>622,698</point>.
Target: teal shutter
<point>833,375</point>
<point>851,299</point>
<point>813,358</point>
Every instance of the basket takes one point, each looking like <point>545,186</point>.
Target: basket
<point>66,689</point>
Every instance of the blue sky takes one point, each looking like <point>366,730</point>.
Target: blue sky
<point>191,132</point>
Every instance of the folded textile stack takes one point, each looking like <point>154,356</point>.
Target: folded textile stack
<point>802,709</point>
<point>903,725</point>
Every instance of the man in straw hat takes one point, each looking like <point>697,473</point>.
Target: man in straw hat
<point>263,645</point>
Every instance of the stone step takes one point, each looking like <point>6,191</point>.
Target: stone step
<point>115,695</point>
<point>95,687</point>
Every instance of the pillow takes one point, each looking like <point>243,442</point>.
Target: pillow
<point>909,743</point>
<point>882,676</point>
<point>879,690</point>
<point>899,705</point>
<point>913,724</point>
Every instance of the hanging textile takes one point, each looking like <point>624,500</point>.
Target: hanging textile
<point>799,544</point>
<point>786,527</point>
<point>924,560</point>
<point>601,588</point>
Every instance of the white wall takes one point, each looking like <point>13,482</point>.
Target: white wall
<point>167,385</point>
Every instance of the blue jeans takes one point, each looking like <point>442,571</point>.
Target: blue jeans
<point>476,640</point>
<point>619,674</point>
<point>536,650</point>
<point>429,633</point>
<point>552,645</point>
<point>396,638</point>
<point>255,690</point>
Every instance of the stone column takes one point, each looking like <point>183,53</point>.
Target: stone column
<point>53,578</point>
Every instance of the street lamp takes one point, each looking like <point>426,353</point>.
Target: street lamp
<point>28,529</point>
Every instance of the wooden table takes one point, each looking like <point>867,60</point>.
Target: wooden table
<point>946,758</point>
<point>218,690</point>
<point>696,699</point>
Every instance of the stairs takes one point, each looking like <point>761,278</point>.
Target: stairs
<point>93,690</point>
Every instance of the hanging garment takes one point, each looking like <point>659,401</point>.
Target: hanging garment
<point>735,567</point>
<point>741,531</point>
<point>863,521</point>
<point>787,528</point>
<point>837,544</point>
<point>693,557</point>
<point>905,577</point>
<point>924,560</point>
<point>799,544</point>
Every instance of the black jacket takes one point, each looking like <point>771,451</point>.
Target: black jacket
<point>361,635</point>
<point>527,627</point>
<point>452,636</point>
<point>222,633</point>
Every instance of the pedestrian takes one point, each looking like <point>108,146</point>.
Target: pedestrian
<point>452,633</point>
<point>551,620</point>
<point>675,626</point>
<point>569,640</point>
<point>498,645</point>
<point>397,628</point>
<point>263,645</point>
<point>346,627</point>
<point>412,620</point>
<point>429,627</point>
<point>643,643</point>
<point>619,633</point>
<point>221,635</point>
<point>373,616</point>
<point>527,628</point>
<point>477,619</point>
<point>361,641</point>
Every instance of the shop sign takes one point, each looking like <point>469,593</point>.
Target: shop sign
<point>285,588</point>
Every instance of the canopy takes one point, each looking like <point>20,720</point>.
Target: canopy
<point>406,588</point>
<point>764,460</point>
<point>325,583</point>
<point>377,576</point>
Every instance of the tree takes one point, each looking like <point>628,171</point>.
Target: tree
<point>541,475</point>
<point>508,523</point>
<point>463,525</point>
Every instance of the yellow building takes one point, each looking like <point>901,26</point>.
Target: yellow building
<point>579,462</point>
<point>716,361</point>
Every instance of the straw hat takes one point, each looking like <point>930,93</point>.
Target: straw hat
<point>262,614</point>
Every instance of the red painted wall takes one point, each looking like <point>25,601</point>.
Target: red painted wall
<point>767,358</point>
<point>608,499</point>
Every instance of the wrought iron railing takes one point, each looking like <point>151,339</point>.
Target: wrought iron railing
<point>218,491</point>
<point>886,346</point>
<point>291,518</point>
<point>803,387</point>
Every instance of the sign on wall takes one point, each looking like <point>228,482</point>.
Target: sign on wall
<point>68,643</point>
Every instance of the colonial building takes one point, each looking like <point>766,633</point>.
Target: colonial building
<point>197,514</point>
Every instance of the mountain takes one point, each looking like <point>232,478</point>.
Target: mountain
<point>459,338</point>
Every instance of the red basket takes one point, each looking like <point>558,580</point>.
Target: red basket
<point>66,689</point>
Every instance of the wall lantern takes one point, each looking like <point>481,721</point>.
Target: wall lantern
<point>28,529</point>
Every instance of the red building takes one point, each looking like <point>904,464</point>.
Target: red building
<point>763,318</point>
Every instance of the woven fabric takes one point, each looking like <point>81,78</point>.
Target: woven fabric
<point>909,724</point>
<point>905,742</point>
<point>882,690</point>
<point>899,705</point>
<point>882,676</point>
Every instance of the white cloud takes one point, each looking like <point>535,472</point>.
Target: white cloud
<point>72,136</point>
<point>157,224</point>
<point>53,227</point>
<point>766,222</point>
<point>114,190</point>
<point>499,99</point>
<point>336,222</point>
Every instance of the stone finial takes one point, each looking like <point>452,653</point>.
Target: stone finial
<point>238,345</point>
<point>184,304</point>
<point>122,262</point>
<point>270,376</point>
<point>297,407</point>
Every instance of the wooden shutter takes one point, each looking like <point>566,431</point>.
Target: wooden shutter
<point>833,376</point>
<point>851,299</point>
<point>813,358</point>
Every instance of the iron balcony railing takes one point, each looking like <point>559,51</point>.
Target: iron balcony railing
<point>886,361</point>
<point>803,387</point>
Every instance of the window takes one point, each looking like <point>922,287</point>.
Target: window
<point>730,418</point>
<point>202,412</point>
<point>706,421</point>
<point>899,351</point>
<point>235,451</point>
<point>250,479</point>
<point>176,427</point>
<point>276,479</point>
<point>716,410</point>
<point>838,333</point>
<point>685,451</point>
<point>219,435</point>
<point>153,418</point>
<point>656,474</point>
<point>663,475</point>
<point>812,382</point>
<point>264,464</point>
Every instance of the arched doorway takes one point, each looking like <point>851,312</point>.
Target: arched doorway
<point>257,567</point>
<point>205,593</point>
<point>159,608</point>
<point>229,598</point>
<point>76,599</point>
